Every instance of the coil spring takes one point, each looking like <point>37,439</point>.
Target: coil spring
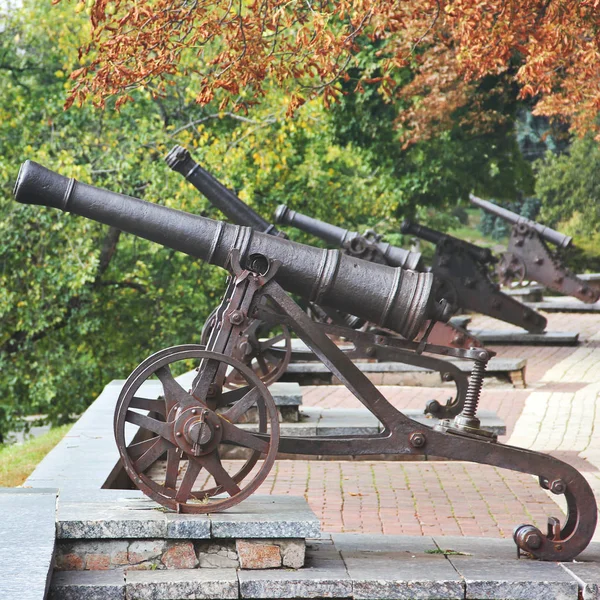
<point>474,388</point>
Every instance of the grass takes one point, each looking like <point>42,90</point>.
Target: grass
<point>18,461</point>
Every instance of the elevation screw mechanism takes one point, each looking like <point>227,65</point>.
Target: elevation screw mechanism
<point>467,420</point>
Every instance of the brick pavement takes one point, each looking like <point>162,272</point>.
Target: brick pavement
<point>557,414</point>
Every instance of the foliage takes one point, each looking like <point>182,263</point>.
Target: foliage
<point>19,461</point>
<point>550,48</point>
<point>569,188</point>
<point>82,304</point>
<point>497,228</point>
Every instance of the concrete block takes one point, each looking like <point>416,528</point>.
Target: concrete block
<point>87,585</point>
<point>186,583</point>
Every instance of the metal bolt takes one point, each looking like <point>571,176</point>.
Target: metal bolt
<point>370,351</point>
<point>533,540</point>
<point>217,426</point>
<point>236,317</point>
<point>417,439</point>
<point>205,413</point>
<point>178,434</point>
<point>194,411</point>
<point>558,486</point>
<point>538,260</point>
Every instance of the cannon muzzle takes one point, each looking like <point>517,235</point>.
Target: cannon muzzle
<point>336,236</point>
<point>180,160</point>
<point>550,235</point>
<point>483,255</point>
<point>394,298</point>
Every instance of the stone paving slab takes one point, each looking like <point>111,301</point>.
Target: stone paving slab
<point>88,585</point>
<point>267,517</point>
<point>27,541</point>
<point>115,516</point>
<point>564,304</point>
<point>183,583</point>
<point>487,578</point>
<point>520,336</point>
<point>324,576</point>
<point>403,567</point>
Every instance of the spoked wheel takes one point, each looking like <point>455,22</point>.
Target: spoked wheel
<point>192,431</point>
<point>268,355</point>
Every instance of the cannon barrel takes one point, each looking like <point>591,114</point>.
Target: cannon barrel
<point>395,298</point>
<point>180,160</point>
<point>483,255</point>
<point>550,235</point>
<point>336,236</point>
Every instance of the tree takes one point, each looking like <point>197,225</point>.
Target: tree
<point>549,47</point>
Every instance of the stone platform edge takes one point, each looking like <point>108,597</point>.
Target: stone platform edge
<point>361,567</point>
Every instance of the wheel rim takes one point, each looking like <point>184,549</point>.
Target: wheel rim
<point>174,435</point>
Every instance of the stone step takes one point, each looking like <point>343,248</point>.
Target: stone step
<point>112,529</point>
<point>360,567</point>
<point>394,373</point>
<point>318,421</point>
<point>564,304</point>
<point>520,336</point>
<point>27,518</point>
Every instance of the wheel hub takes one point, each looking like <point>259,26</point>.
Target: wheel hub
<point>197,431</point>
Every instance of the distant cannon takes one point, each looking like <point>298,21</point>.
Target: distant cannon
<point>462,270</point>
<point>175,456</point>
<point>529,259</point>
<point>367,246</point>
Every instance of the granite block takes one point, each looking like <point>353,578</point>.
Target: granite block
<point>324,576</point>
<point>514,579</point>
<point>88,585</point>
<point>27,540</point>
<point>185,583</point>
<point>588,577</point>
<point>80,520</point>
<point>397,567</point>
<point>266,517</point>
<point>193,527</point>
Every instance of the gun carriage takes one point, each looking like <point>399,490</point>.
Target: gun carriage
<point>190,427</point>
<point>529,258</point>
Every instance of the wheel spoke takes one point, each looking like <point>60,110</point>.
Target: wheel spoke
<point>212,463</point>
<point>263,364</point>
<point>241,437</point>
<point>173,459</point>
<point>241,406</point>
<point>156,405</point>
<point>136,450</point>
<point>270,343</point>
<point>174,393</point>
<point>158,427</point>
<point>152,454</point>
<point>187,483</point>
<point>232,396</point>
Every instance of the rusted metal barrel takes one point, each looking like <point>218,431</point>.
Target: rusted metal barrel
<point>484,255</point>
<point>395,298</point>
<point>180,160</point>
<point>550,235</point>
<point>336,236</point>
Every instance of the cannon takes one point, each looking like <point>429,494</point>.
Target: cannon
<point>185,429</point>
<point>463,273</point>
<point>181,161</point>
<point>461,268</point>
<point>367,246</point>
<point>529,258</point>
